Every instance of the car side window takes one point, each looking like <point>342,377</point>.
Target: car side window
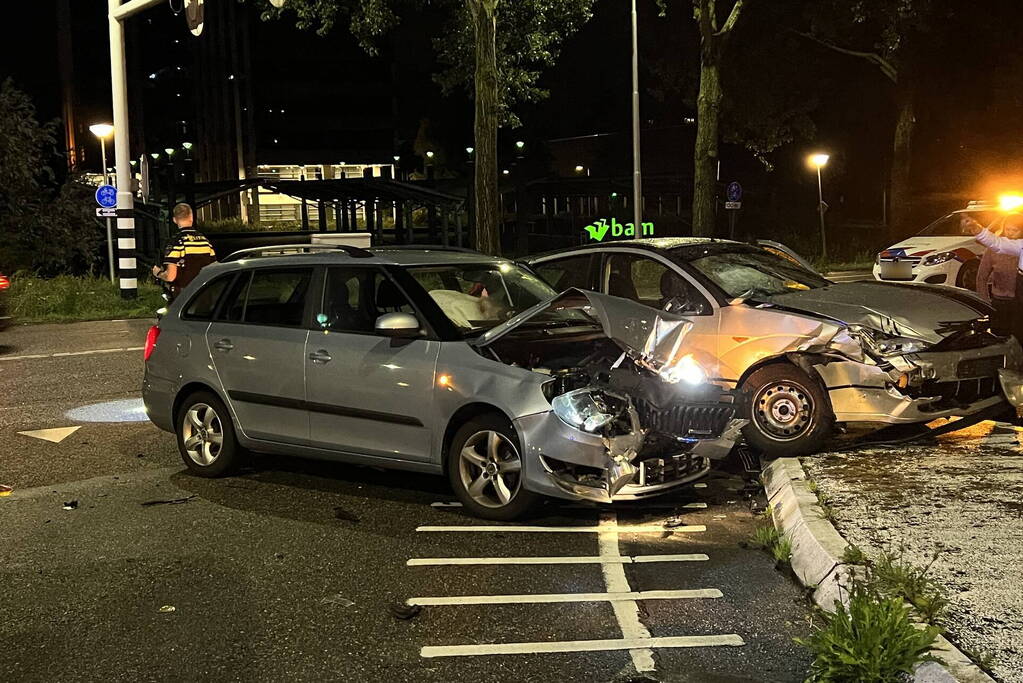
<point>561,274</point>
<point>653,284</point>
<point>233,307</point>
<point>355,297</point>
<point>268,297</point>
<point>203,304</point>
<point>346,301</point>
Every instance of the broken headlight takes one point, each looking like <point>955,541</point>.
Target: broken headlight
<point>588,409</point>
<point>886,345</point>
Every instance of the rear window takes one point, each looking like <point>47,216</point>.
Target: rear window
<point>203,304</point>
<point>269,297</point>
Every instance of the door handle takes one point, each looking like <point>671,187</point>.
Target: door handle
<point>320,356</point>
<point>223,345</point>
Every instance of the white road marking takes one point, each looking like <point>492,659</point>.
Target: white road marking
<point>571,559</point>
<point>443,504</point>
<point>699,486</point>
<point>532,598</point>
<point>641,644</point>
<point>55,435</point>
<point>634,529</point>
<point>64,354</point>
<point>626,613</point>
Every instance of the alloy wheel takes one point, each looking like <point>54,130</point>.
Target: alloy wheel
<point>490,469</point>
<point>202,434</point>
<point>783,410</point>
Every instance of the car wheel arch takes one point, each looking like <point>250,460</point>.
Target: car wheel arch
<point>463,415</point>
<point>803,361</point>
<point>190,388</point>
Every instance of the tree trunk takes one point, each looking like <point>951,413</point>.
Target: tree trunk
<point>900,214</point>
<point>708,109</point>
<point>487,210</point>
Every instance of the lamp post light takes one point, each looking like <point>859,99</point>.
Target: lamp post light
<point>104,131</point>
<point>580,169</point>
<point>818,161</point>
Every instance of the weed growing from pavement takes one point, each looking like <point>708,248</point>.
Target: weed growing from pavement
<point>774,542</point>
<point>873,639</point>
<point>896,577</point>
<point>782,550</point>
<point>853,555</point>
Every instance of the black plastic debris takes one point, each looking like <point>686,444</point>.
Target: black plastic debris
<point>342,514</point>
<point>71,505</point>
<point>172,501</point>
<point>403,611</point>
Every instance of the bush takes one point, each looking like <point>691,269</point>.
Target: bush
<point>65,298</point>
<point>873,640</point>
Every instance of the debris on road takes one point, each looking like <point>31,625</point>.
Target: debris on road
<point>5,490</point>
<point>400,610</point>
<point>172,501</point>
<point>337,599</point>
<point>342,514</point>
<point>674,522</point>
<point>166,609</point>
<point>71,505</point>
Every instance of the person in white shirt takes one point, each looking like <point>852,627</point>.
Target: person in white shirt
<point>1001,244</point>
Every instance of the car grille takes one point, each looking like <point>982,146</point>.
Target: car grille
<point>663,470</point>
<point>964,391</point>
<point>701,421</point>
<point>980,367</point>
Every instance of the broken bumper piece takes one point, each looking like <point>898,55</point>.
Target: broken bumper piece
<point>564,462</point>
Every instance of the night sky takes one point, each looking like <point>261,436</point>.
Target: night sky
<point>967,115</point>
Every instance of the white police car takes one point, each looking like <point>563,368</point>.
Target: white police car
<point>943,253</point>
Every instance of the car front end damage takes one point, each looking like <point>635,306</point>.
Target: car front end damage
<point>883,378</point>
<point>632,415</point>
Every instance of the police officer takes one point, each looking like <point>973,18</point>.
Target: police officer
<point>187,254</point>
<point>1008,313</point>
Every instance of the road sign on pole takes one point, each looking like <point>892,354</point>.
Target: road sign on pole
<point>106,212</point>
<point>106,196</point>
<point>734,192</point>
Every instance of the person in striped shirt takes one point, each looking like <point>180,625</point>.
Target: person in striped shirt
<point>187,254</point>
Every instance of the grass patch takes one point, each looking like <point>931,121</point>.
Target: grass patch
<point>770,539</point>
<point>782,550</point>
<point>898,578</point>
<point>853,555</point>
<point>874,639</point>
<point>66,299</point>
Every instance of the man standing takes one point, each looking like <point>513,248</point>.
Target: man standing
<point>1002,267</point>
<point>187,254</point>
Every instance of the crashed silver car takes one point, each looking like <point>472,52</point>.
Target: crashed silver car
<point>807,353</point>
<point>436,361</point>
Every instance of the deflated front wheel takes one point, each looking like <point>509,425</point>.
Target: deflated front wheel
<point>789,413</point>
<point>485,470</point>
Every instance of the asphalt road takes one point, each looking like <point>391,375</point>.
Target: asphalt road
<point>293,569</point>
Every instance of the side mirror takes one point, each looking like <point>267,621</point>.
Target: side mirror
<point>401,325</point>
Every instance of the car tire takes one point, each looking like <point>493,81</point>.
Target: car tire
<point>206,436</point>
<point>967,276</point>
<point>484,468</point>
<point>789,413</point>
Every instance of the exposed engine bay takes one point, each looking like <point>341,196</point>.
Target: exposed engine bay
<point>650,426</point>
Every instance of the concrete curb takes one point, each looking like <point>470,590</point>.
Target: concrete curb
<point>817,550</point>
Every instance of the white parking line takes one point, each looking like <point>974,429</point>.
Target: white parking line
<point>91,352</point>
<point>641,644</point>
<point>572,559</point>
<point>634,529</point>
<point>535,598</point>
<point>690,506</point>
<point>626,613</point>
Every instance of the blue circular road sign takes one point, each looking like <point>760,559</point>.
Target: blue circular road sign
<point>106,196</point>
<point>734,192</point>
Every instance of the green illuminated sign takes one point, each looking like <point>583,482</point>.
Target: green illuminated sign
<point>598,230</point>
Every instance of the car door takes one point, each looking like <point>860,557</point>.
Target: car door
<point>658,284</point>
<point>257,343</point>
<point>368,393</point>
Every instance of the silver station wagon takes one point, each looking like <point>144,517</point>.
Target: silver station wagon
<point>439,361</point>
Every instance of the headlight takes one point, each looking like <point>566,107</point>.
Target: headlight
<point>686,369</point>
<point>884,345</point>
<point>586,409</point>
<point>940,257</point>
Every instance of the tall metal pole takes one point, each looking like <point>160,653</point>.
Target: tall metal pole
<point>820,208</point>
<point>110,236</point>
<point>637,179</point>
<point>126,266</point>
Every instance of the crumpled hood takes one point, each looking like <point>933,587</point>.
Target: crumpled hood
<point>898,310</point>
<point>652,337</point>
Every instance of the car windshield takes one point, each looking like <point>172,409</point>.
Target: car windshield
<point>477,297</point>
<point>745,273</point>
<point>952,224</point>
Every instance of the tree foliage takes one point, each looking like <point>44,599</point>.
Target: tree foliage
<point>44,226</point>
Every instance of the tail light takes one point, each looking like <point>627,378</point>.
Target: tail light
<point>5,282</point>
<point>151,337</point>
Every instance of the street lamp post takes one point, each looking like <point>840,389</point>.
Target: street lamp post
<point>103,131</point>
<point>818,161</point>
<point>637,181</point>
